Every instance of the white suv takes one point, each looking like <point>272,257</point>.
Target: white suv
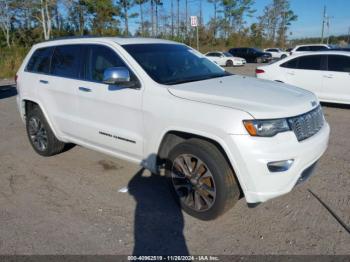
<point>309,48</point>
<point>165,106</point>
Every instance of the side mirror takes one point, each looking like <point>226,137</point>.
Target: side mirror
<point>116,75</point>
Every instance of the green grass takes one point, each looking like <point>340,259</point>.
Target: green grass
<point>10,60</point>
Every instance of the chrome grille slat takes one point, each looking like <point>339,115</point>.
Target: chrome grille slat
<point>308,124</point>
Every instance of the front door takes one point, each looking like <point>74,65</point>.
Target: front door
<point>110,116</point>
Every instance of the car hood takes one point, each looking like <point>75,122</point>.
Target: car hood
<point>262,99</point>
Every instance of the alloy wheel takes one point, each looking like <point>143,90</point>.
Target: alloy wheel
<point>193,182</point>
<point>37,133</point>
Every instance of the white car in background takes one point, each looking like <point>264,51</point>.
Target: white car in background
<point>277,53</point>
<point>225,59</point>
<point>299,49</point>
<point>327,74</point>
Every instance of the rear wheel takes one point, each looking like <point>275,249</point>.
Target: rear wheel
<point>229,63</point>
<point>283,56</point>
<point>201,179</point>
<point>40,135</point>
<point>258,60</point>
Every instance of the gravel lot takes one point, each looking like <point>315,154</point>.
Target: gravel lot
<point>71,204</point>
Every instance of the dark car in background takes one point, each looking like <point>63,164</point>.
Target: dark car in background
<point>254,55</point>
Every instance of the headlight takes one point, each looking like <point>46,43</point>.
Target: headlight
<point>266,128</point>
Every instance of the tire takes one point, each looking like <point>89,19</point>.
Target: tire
<point>215,192</point>
<point>283,56</point>
<point>229,63</point>
<point>40,135</point>
<point>258,60</point>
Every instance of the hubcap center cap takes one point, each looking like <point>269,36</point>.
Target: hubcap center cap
<point>194,181</point>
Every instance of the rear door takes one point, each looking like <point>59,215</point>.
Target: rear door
<point>55,92</point>
<point>58,91</point>
<point>110,116</point>
<point>306,72</point>
<point>337,79</point>
<point>215,57</point>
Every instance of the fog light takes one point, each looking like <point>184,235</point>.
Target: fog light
<point>280,166</point>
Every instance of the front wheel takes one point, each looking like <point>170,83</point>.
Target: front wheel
<point>201,179</point>
<point>259,60</point>
<point>283,56</point>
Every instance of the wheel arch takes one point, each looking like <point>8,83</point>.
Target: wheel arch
<point>28,104</point>
<point>174,137</point>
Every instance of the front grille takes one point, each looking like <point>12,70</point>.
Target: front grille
<point>308,124</point>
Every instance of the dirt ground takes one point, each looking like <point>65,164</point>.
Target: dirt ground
<point>74,203</point>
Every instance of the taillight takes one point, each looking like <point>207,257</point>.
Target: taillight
<point>259,71</point>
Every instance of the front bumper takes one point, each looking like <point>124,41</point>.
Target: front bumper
<point>266,59</point>
<point>250,156</point>
<point>238,63</point>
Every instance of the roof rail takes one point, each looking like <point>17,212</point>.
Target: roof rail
<point>73,37</point>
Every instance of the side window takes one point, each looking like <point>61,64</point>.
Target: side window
<point>318,48</point>
<point>40,61</point>
<point>291,63</point>
<point>100,58</point>
<point>66,61</point>
<point>339,63</point>
<point>303,48</point>
<point>210,54</point>
<point>311,62</point>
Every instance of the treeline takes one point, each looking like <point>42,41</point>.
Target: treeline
<point>341,40</point>
<point>24,23</point>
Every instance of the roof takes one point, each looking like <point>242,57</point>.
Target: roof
<point>118,40</point>
<point>312,45</point>
<point>326,52</point>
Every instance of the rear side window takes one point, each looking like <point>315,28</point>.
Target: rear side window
<point>99,59</point>
<point>312,62</point>
<point>318,48</point>
<point>40,61</point>
<point>303,48</point>
<point>66,61</point>
<point>291,63</point>
<point>339,63</point>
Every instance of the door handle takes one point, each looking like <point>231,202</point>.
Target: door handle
<point>43,81</point>
<point>328,76</point>
<point>84,89</point>
<point>291,73</point>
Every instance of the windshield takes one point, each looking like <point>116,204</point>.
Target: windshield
<point>227,54</point>
<point>173,63</point>
<point>257,50</point>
